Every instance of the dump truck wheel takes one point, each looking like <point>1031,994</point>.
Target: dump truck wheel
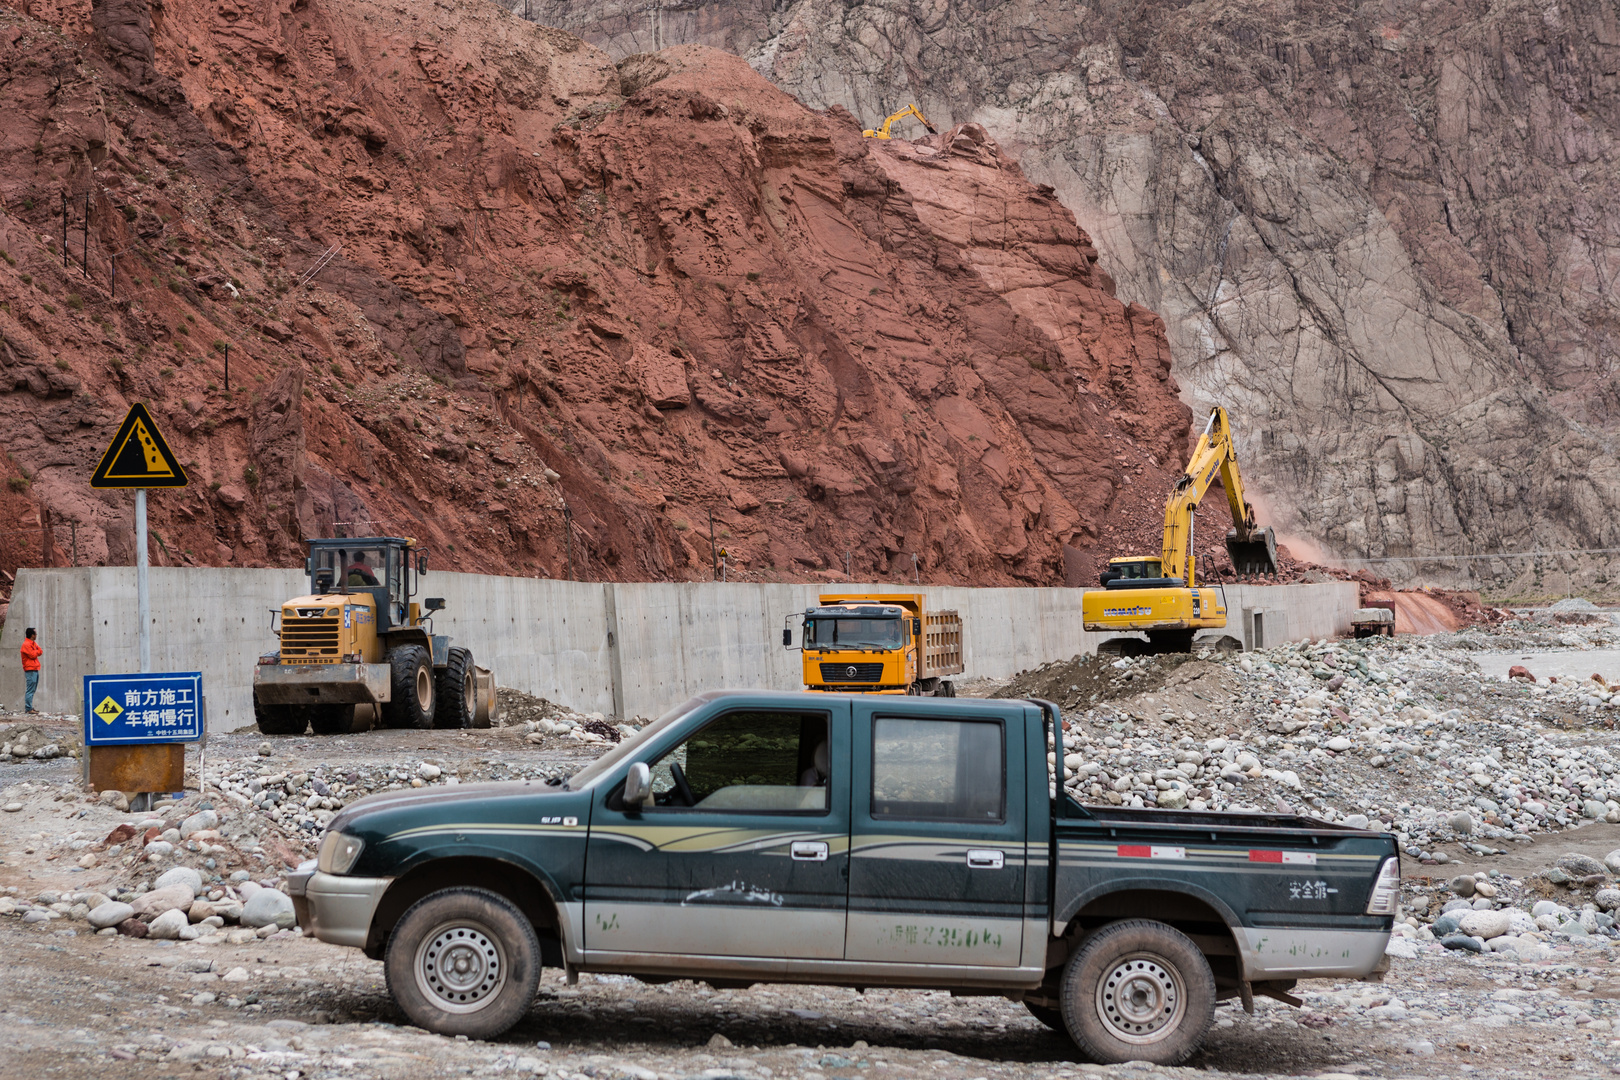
<point>331,719</point>
<point>1138,990</point>
<point>411,697</point>
<point>458,691</point>
<point>463,962</point>
<point>279,719</point>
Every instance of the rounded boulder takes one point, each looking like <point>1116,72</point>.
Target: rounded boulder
<point>180,875</point>
<point>108,914</point>
<point>1485,924</point>
<point>269,907</point>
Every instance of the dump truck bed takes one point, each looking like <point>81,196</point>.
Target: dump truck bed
<point>942,645</point>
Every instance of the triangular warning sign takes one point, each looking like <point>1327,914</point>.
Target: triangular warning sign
<point>109,710</point>
<point>138,457</point>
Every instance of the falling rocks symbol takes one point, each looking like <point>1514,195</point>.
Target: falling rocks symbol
<point>138,456</point>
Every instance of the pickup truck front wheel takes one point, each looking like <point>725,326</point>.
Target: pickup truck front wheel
<point>1138,991</point>
<point>463,962</point>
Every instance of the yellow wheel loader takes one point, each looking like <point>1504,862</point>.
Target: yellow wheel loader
<point>1161,596</point>
<point>358,638</point>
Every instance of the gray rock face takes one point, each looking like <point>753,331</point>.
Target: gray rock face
<point>1384,259</point>
<point>109,914</point>
<point>268,907</point>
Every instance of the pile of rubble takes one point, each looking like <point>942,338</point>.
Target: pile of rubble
<point>1573,903</point>
<point>36,742</point>
<point>1402,734</point>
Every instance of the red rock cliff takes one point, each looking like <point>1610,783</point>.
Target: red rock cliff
<point>471,272</point>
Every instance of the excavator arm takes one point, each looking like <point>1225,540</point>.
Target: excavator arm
<point>1253,549</point>
<point>909,110</point>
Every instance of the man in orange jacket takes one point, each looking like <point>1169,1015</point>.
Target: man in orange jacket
<point>31,653</point>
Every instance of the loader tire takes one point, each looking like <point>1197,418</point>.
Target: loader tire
<point>457,690</point>
<point>411,697</point>
<point>279,719</point>
<point>331,719</point>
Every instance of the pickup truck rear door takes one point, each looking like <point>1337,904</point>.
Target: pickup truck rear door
<point>937,849</point>
<point>744,849</point>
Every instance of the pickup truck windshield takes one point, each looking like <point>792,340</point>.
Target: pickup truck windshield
<point>864,633</point>
<point>594,771</point>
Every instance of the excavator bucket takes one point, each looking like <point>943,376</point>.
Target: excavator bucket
<point>1254,556</point>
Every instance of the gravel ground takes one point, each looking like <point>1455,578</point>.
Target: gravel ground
<point>272,1003</point>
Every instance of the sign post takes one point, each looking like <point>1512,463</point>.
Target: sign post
<point>139,457</point>
<point>136,726</point>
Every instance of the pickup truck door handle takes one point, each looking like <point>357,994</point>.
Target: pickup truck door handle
<point>985,860</point>
<point>809,850</point>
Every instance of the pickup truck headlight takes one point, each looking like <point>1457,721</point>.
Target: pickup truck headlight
<point>1386,890</point>
<point>338,853</point>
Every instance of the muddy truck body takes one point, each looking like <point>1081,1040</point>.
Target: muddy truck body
<point>852,840</point>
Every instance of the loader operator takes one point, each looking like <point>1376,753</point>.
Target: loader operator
<point>359,573</point>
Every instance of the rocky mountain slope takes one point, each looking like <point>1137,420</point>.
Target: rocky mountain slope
<point>480,285</point>
<point>1385,239</point>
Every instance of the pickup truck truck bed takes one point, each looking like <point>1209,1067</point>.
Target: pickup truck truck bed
<point>851,840</point>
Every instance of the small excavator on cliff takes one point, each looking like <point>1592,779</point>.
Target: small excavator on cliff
<point>1161,596</point>
<point>909,110</point>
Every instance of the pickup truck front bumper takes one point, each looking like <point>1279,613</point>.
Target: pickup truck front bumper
<point>321,684</point>
<point>334,907</point>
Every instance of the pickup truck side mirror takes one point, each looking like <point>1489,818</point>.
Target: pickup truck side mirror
<point>787,638</point>
<point>433,603</point>
<point>637,785</point>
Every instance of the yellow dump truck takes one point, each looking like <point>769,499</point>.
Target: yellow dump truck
<point>882,644</point>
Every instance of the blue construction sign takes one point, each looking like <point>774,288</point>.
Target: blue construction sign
<point>160,707</point>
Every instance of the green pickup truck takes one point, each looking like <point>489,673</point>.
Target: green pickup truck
<point>850,840</point>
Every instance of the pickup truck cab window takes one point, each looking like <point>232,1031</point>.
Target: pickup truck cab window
<point>938,770</point>
<point>747,761</point>
<point>750,859</point>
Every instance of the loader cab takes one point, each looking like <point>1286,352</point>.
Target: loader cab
<point>381,566</point>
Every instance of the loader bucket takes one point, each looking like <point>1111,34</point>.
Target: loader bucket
<point>1254,556</point>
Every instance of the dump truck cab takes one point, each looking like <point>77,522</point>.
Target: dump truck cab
<point>359,638</point>
<point>885,644</point>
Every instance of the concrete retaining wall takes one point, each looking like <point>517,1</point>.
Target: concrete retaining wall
<point>626,650</point>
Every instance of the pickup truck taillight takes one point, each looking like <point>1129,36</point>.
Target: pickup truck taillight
<point>1387,889</point>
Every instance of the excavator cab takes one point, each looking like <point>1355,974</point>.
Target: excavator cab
<point>1255,556</point>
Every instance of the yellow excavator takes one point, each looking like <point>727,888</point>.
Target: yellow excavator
<point>1161,596</point>
<point>909,110</point>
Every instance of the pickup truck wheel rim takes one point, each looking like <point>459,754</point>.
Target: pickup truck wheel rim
<point>1141,1000</point>
<point>460,967</point>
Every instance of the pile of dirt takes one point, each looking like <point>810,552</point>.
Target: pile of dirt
<point>1084,681</point>
<point>515,708</point>
<point>478,285</point>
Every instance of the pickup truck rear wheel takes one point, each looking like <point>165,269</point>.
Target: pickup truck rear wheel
<point>1138,990</point>
<point>463,962</point>
<point>1052,1018</point>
